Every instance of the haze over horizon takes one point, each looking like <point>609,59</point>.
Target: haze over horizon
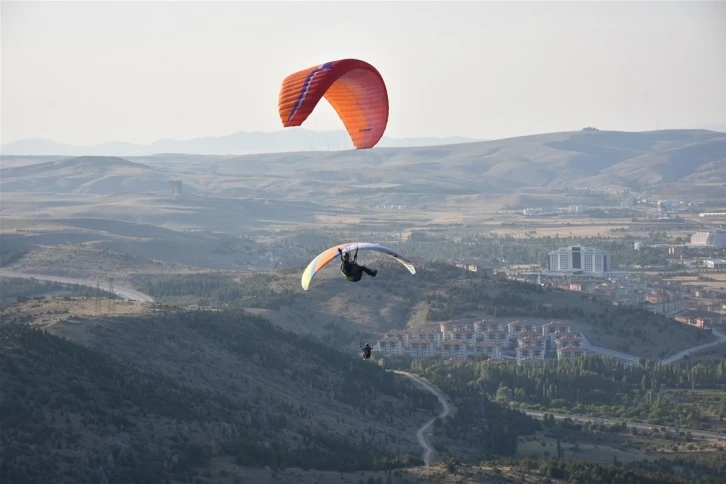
<point>172,70</point>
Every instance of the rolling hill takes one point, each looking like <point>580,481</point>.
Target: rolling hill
<point>84,175</point>
<point>407,176</point>
<point>549,160</point>
<point>92,247</point>
<point>171,395</point>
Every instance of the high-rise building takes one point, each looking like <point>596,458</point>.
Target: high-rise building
<point>580,259</point>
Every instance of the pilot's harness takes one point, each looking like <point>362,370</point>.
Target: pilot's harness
<point>350,277</point>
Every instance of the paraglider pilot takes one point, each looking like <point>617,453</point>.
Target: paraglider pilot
<point>350,268</point>
<point>367,351</point>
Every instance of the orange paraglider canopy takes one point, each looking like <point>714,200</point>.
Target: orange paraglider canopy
<point>354,88</point>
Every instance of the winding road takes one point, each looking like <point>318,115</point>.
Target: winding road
<point>126,292</point>
<point>420,435</point>
<point>428,450</point>
<point>720,339</point>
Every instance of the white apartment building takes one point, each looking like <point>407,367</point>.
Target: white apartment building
<point>428,334</point>
<point>549,330</point>
<point>464,335</point>
<point>453,349</point>
<point>487,325</point>
<point>563,340</point>
<point>525,353</point>
<point>488,349</point>
<point>390,346</point>
<point>399,334</point>
<point>421,348</point>
<point>537,341</point>
<point>498,337</point>
<point>580,258</point>
<point>516,327</point>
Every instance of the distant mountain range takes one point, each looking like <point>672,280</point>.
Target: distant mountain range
<point>404,175</point>
<point>240,143</point>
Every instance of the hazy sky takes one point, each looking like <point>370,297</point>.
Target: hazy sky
<point>85,73</point>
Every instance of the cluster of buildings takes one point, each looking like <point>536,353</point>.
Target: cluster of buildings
<point>670,205</point>
<point>695,304</point>
<point>491,338</point>
<point>589,270</point>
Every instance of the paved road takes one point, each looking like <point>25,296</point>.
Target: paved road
<point>126,292</point>
<point>637,425</point>
<point>428,451</point>
<point>420,435</point>
<point>720,339</point>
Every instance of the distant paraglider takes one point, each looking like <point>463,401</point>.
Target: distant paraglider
<point>334,252</point>
<point>366,350</point>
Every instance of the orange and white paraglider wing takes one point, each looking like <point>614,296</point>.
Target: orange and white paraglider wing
<point>318,263</point>
<point>355,89</point>
<point>332,253</point>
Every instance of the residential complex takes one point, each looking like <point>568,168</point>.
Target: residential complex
<point>577,268</point>
<point>494,338</point>
<point>688,303</point>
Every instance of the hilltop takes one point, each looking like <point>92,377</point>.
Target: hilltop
<point>83,175</point>
<point>154,394</point>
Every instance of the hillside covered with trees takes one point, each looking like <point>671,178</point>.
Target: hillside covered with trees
<point>177,394</point>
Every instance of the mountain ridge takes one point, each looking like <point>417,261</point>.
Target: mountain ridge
<point>413,176</point>
<point>241,142</point>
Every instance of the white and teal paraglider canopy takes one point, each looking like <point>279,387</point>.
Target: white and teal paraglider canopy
<point>332,253</point>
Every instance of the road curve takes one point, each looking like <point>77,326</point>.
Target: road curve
<point>420,435</point>
<point>720,339</point>
<point>124,291</point>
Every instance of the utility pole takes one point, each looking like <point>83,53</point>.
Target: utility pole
<point>97,308</point>
<point>112,299</point>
